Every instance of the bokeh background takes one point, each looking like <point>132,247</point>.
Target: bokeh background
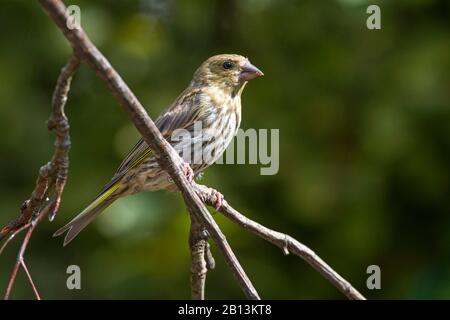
<point>364,123</point>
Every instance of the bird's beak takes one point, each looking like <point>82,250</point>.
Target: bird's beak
<point>250,72</point>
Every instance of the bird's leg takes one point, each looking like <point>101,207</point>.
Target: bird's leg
<point>188,172</point>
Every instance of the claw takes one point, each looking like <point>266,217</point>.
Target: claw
<point>188,172</point>
<point>219,199</point>
<point>205,196</point>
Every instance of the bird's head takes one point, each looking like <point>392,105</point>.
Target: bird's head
<point>226,71</point>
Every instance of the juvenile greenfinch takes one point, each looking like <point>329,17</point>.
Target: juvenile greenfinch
<point>202,120</point>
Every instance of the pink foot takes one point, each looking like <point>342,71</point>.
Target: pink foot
<point>219,198</point>
<point>188,172</point>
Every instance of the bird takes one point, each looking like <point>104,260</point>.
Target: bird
<point>199,124</point>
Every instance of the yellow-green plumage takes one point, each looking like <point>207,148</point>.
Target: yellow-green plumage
<point>213,100</point>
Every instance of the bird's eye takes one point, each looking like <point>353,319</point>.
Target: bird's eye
<point>228,65</point>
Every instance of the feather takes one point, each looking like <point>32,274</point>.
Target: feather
<point>87,215</point>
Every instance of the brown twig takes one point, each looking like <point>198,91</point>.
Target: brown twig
<point>167,158</point>
<point>197,244</point>
<point>201,259</point>
<point>20,256</point>
<point>54,173</point>
<point>12,235</point>
<point>52,178</point>
<point>285,242</point>
<point>30,279</point>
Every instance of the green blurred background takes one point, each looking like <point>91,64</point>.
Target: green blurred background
<point>364,123</point>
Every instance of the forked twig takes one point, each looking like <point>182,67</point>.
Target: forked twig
<point>51,179</point>
<point>201,259</point>
<point>30,279</point>
<point>285,242</point>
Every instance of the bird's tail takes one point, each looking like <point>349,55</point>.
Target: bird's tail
<point>103,201</point>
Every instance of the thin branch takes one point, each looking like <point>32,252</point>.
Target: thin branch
<point>58,121</point>
<point>12,280</point>
<point>23,247</point>
<point>285,242</point>
<point>197,244</point>
<point>51,179</point>
<point>12,236</point>
<point>54,173</point>
<point>201,259</point>
<point>30,279</point>
<point>166,156</point>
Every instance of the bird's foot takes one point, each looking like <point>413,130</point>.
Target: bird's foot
<point>188,172</point>
<point>219,198</point>
<point>210,196</point>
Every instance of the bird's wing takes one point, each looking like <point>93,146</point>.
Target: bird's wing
<point>181,114</point>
